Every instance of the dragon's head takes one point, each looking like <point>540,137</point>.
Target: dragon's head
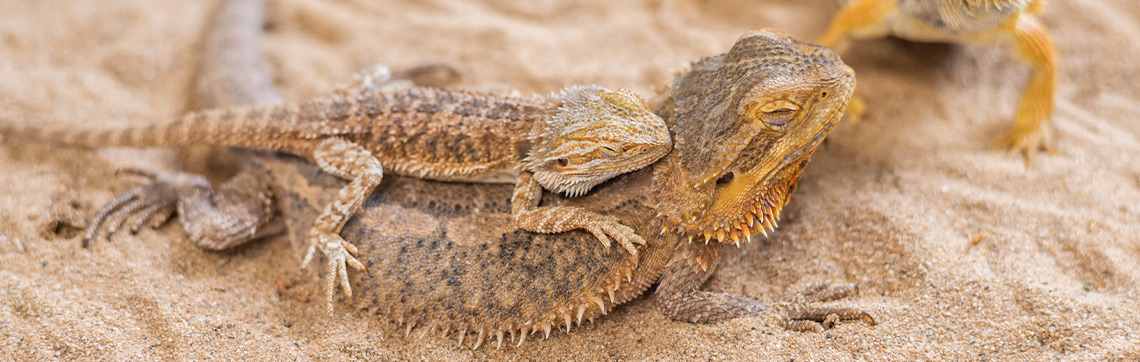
<point>597,134</point>
<point>745,123</point>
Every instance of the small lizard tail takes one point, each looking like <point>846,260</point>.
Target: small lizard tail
<point>253,127</point>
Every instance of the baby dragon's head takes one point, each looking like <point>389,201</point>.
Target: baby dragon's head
<point>746,122</point>
<point>597,134</point>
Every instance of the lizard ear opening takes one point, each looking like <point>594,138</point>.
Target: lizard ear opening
<point>562,162</point>
<point>723,180</point>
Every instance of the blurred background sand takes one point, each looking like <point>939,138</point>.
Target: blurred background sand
<point>962,253</point>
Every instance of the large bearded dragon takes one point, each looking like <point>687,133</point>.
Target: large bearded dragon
<point>744,124</point>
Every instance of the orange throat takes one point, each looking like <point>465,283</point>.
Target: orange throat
<point>735,212</point>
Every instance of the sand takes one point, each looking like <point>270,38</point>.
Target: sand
<point>962,253</point>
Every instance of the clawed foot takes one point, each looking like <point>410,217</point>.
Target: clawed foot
<point>1027,140</point>
<point>151,204</point>
<point>341,255</point>
<point>612,227</point>
<point>805,316</point>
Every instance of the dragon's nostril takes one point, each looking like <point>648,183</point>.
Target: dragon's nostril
<point>725,179</point>
<point>562,162</point>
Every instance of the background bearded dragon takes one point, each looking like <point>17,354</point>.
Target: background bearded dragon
<point>970,21</point>
<point>745,124</point>
<point>567,144</point>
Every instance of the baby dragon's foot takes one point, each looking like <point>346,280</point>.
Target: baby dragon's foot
<point>341,255</point>
<point>350,161</point>
<point>557,219</point>
<point>606,225</point>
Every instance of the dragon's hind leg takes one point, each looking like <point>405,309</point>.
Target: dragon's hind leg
<point>861,19</point>
<point>1030,131</point>
<point>678,292</point>
<point>241,210</point>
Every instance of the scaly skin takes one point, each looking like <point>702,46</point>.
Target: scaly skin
<point>567,144</point>
<point>745,124</point>
<point>969,22</point>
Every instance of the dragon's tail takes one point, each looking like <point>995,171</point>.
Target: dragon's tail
<point>240,127</point>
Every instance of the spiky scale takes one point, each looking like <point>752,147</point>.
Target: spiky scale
<point>425,331</point>
<point>581,311</point>
<point>568,321</point>
<point>479,339</point>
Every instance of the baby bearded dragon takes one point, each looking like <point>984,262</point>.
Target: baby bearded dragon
<point>968,21</point>
<point>567,144</point>
<point>745,124</point>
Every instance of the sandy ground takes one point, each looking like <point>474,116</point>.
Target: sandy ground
<point>961,252</point>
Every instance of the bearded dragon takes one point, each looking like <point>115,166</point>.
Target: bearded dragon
<point>744,124</point>
<point>968,21</point>
<point>567,144</point>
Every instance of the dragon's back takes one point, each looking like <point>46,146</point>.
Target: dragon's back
<point>445,256</point>
<point>433,133</point>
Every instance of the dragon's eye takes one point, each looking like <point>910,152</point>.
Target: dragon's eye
<point>777,114</point>
<point>609,152</point>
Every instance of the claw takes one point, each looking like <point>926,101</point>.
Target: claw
<point>339,253</point>
<point>143,205</point>
<point>1025,140</point>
